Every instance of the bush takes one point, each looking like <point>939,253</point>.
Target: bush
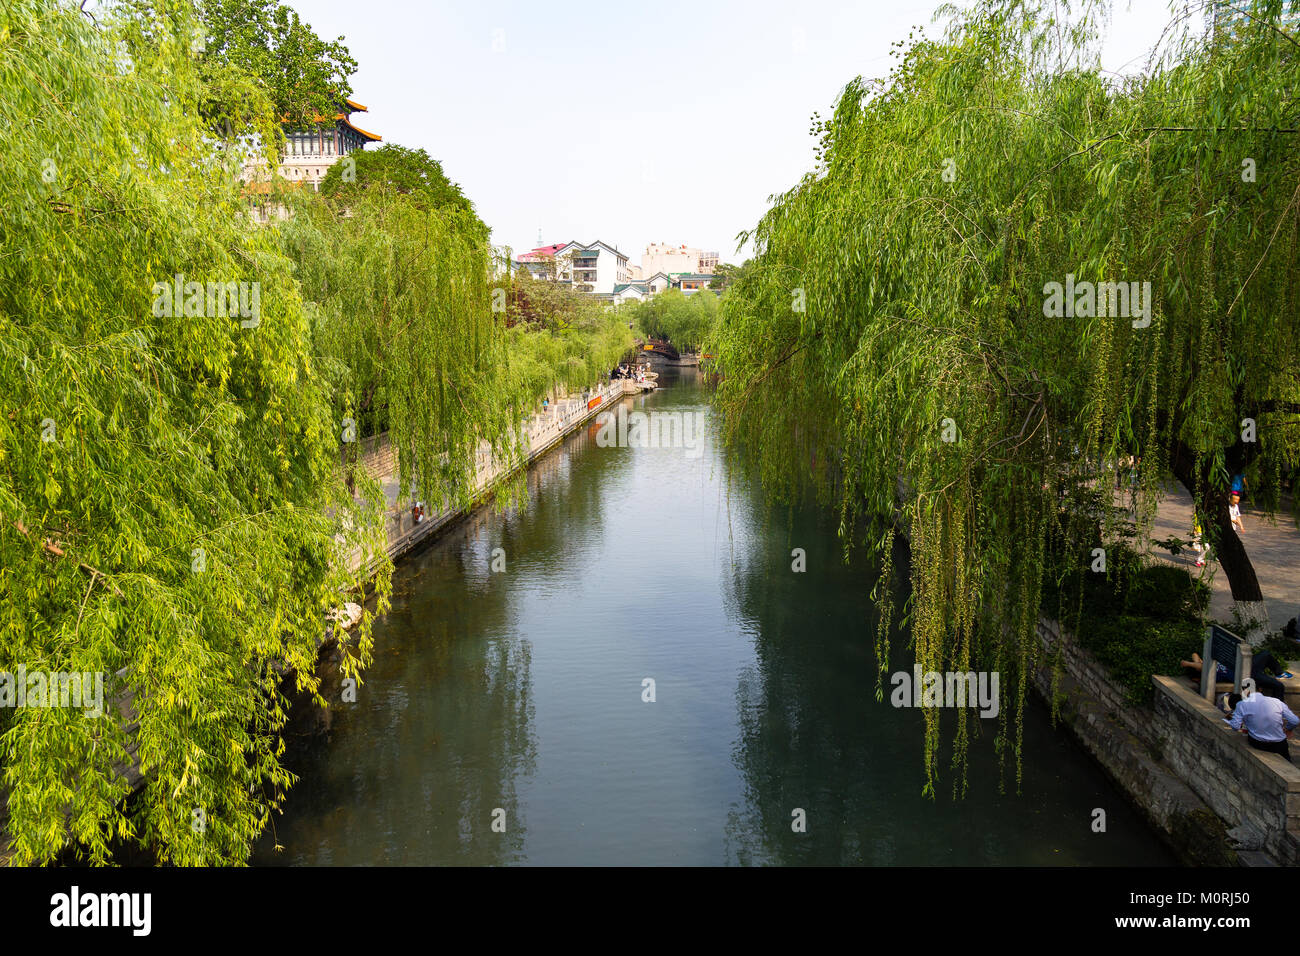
<point>1133,648</point>
<point>1166,592</point>
<point>1137,619</point>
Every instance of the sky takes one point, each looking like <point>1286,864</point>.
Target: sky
<point>630,123</point>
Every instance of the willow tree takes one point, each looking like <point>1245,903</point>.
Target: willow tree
<point>404,326</point>
<point>684,320</point>
<point>557,339</point>
<point>901,345</point>
<point>170,511</point>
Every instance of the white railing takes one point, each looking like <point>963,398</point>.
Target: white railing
<point>537,432</point>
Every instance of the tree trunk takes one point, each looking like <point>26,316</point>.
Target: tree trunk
<point>1226,545</point>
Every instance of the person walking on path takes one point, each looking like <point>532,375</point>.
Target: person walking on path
<point>1202,550</point>
<point>1234,513</point>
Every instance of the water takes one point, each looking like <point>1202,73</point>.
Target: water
<point>517,697</point>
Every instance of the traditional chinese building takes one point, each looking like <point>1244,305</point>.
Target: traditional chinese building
<point>309,153</point>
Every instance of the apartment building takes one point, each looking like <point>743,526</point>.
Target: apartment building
<point>595,267</point>
<point>661,257</point>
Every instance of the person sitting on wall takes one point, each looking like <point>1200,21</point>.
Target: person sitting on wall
<point>1266,721</point>
<point>1221,671</point>
<point>1263,667</point>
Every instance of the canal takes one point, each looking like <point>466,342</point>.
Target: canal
<point>504,721</point>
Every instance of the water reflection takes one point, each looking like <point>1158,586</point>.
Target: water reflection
<point>522,691</point>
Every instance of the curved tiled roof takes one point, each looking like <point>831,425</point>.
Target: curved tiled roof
<point>373,137</point>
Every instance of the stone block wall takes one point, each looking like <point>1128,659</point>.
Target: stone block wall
<point>1191,774</point>
<point>378,456</point>
<point>1243,786</point>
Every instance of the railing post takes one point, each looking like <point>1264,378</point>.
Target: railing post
<point>1208,666</point>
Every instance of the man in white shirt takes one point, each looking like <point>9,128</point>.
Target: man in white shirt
<point>1266,721</point>
<point>1234,513</point>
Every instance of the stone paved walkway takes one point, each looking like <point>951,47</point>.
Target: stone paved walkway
<point>1273,547</point>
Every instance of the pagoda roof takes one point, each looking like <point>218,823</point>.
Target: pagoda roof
<point>353,107</point>
<point>373,137</point>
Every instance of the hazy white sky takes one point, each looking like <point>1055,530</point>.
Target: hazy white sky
<point>634,122</point>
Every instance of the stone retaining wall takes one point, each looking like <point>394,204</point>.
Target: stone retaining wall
<point>1249,789</point>
<point>378,456</point>
<point>1190,773</point>
<point>540,433</point>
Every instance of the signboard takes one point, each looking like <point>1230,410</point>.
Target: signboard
<point>593,402</point>
<point>1226,648</point>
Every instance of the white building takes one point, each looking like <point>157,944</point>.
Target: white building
<point>595,267</point>
<point>309,153</point>
<point>688,282</point>
<point>630,292</point>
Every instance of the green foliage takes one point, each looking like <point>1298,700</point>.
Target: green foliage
<point>558,338</point>
<point>1133,648</point>
<point>1138,619</point>
<point>725,274</point>
<point>304,77</point>
<point>684,320</point>
<point>409,172</point>
<point>404,332</point>
<point>897,300</point>
<point>172,514</point>
<point>170,511</point>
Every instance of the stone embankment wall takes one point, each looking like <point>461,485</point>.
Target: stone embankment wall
<point>378,456</point>
<point>1217,800</point>
<point>540,433</point>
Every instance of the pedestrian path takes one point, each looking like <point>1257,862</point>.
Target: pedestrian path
<point>1272,544</point>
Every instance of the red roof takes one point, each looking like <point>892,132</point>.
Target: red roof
<point>542,252</point>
